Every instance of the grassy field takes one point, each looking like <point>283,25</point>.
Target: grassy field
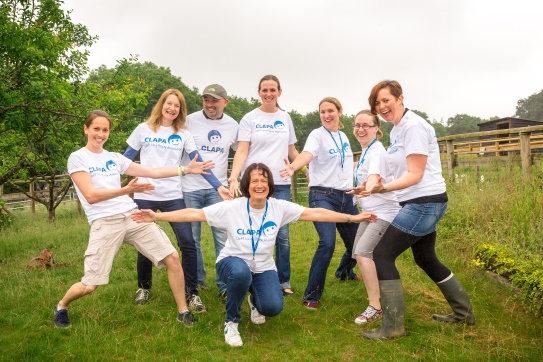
<point>108,326</point>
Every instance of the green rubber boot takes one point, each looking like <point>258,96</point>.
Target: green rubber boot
<point>458,300</point>
<point>393,306</point>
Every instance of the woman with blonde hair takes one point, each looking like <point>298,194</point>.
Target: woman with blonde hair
<point>161,141</point>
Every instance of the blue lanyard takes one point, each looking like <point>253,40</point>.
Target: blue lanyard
<point>340,149</point>
<point>361,162</point>
<point>255,246</point>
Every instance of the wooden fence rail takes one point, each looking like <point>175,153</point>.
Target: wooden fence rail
<point>509,142</point>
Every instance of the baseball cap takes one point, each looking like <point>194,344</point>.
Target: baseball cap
<point>216,91</point>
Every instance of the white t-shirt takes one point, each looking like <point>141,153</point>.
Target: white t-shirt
<point>213,138</point>
<point>232,216</point>
<point>105,169</point>
<point>162,148</point>
<point>414,135</point>
<point>373,162</point>
<point>270,135</point>
<point>325,169</point>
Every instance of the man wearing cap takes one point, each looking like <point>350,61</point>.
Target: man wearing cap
<point>215,133</point>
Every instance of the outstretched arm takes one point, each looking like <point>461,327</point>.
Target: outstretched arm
<point>84,184</point>
<point>210,177</point>
<point>239,160</point>
<point>184,215</point>
<point>324,215</point>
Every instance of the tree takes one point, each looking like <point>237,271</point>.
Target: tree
<point>531,107</point>
<point>44,99</point>
<point>462,123</point>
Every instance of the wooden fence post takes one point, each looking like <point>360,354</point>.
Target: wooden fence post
<point>526,154</point>
<point>32,202</point>
<point>294,187</point>
<point>451,159</point>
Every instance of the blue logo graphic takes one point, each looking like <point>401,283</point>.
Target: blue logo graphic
<point>270,228</point>
<point>279,125</point>
<point>214,136</point>
<point>111,166</point>
<point>175,140</point>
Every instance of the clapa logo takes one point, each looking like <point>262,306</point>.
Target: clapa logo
<point>111,166</point>
<point>269,228</point>
<point>346,147</point>
<point>279,125</point>
<point>214,136</point>
<point>175,140</point>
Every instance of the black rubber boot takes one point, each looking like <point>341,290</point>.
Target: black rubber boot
<point>458,300</point>
<point>393,306</point>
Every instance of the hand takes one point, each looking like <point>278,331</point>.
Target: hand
<point>373,188</point>
<point>357,190</point>
<point>225,193</point>
<point>195,167</point>
<point>140,216</point>
<point>364,216</point>
<point>133,186</point>
<point>234,187</point>
<point>287,171</point>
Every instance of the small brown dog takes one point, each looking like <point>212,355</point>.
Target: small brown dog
<point>43,260</point>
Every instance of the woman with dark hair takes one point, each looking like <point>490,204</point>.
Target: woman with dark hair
<point>266,134</point>
<point>415,165</point>
<point>330,158</point>
<point>246,262</point>
<point>96,176</point>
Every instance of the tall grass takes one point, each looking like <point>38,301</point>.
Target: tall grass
<point>108,326</point>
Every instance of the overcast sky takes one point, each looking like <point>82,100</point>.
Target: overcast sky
<point>477,57</point>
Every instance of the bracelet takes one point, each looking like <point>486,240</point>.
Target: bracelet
<point>304,169</point>
<point>183,171</point>
<point>178,170</point>
<point>348,218</point>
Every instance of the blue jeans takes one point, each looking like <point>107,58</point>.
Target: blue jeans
<point>335,200</point>
<point>282,242</point>
<point>185,242</point>
<point>414,227</point>
<point>266,293</point>
<point>198,200</point>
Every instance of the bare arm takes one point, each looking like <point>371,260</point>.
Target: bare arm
<point>194,167</point>
<point>239,160</point>
<point>302,160</point>
<point>416,165</point>
<point>184,215</point>
<point>83,182</point>
<point>324,215</point>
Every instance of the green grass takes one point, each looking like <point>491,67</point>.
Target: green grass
<point>108,326</point>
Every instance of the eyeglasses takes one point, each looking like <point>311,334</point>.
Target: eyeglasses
<point>364,126</point>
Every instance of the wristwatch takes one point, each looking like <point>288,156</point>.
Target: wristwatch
<point>384,189</point>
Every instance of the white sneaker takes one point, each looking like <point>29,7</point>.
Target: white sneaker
<point>231,334</point>
<point>256,317</point>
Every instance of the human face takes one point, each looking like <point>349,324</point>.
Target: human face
<point>170,110</point>
<point>329,116</point>
<point>269,92</point>
<point>97,133</point>
<point>365,136</point>
<point>389,107</point>
<point>214,107</point>
<point>258,187</point>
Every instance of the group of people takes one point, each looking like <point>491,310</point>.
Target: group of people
<point>183,174</point>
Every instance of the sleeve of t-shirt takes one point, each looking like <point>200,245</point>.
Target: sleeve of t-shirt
<point>292,134</point>
<point>377,164</point>
<point>134,140</point>
<point>291,211</point>
<point>312,144</point>
<point>190,145</point>
<point>217,214</point>
<point>245,129</point>
<point>76,163</point>
<point>123,162</point>
<point>417,140</point>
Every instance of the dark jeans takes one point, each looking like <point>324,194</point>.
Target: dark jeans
<point>266,294</point>
<point>183,233</point>
<point>335,200</point>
